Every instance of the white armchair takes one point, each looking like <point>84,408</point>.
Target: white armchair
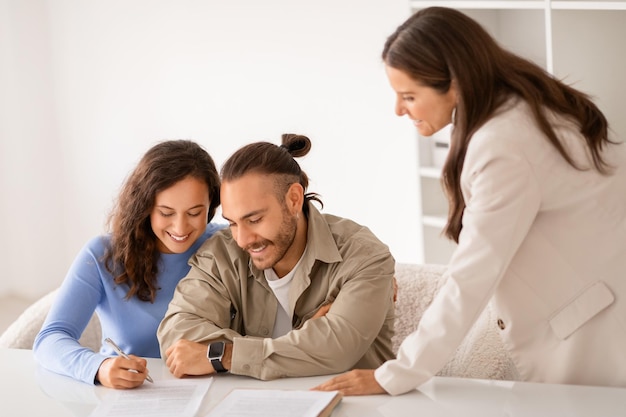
<point>22,332</point>
<point>482,353</point>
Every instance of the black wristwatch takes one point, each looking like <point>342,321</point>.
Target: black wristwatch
<point>215,353</point>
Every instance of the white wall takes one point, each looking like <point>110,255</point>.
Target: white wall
<point>87,86</point>
<point>32,185</point>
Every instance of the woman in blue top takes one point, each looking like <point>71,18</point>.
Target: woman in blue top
<point>128,276</point>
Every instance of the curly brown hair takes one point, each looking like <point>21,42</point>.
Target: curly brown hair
<point>132,257</point>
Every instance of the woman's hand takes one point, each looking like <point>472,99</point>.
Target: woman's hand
<point>121,373</point>
<point>355,382</point>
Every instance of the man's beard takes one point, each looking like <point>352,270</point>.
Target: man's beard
<point>281,243</point>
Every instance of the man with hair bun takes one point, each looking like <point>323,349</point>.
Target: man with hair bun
<point>286,291</point>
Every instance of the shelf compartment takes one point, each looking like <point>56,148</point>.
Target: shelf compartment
<point>434,221</point>
<point>437,248</point>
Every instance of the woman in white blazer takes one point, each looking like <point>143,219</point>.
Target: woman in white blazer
<point>537,205</point>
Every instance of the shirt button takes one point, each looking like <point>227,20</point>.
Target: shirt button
<point>264,331</point>
<point>501,324</point>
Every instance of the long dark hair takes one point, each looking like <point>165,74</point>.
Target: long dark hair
<point>269,159</point>
<point>133,255</point>
<point>438,45</point>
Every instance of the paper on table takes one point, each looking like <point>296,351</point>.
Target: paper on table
<point>276,403</point>
<point>179,398</point>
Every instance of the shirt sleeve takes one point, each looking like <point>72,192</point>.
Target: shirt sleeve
<point>199,310</point>
<point>502,200</point>
<point>56,346</point>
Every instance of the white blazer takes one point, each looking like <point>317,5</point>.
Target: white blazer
<point>548,243</point>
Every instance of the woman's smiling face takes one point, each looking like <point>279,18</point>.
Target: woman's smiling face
<point>429,109</point>
<point>179,216</point>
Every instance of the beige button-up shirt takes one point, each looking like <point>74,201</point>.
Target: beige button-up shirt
<point>225,297</point>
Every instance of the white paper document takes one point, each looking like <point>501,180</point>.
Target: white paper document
<point>180,398</point>
<point>276,403</point>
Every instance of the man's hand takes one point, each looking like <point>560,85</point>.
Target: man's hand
<point>322,311</point>
<point>355,382</point>
<point>122,373</point>
<point>188,358</point>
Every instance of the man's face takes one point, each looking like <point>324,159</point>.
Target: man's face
<point>260,224</point>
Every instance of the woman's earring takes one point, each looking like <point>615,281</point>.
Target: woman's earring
<point>453,119</point>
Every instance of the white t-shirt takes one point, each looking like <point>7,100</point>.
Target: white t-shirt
<point>280,286</point>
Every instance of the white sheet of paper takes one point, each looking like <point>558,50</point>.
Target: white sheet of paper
<point>275,403</point>
<point>181,398</point>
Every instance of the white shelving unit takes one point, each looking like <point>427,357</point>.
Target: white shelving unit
<point>579,41</point>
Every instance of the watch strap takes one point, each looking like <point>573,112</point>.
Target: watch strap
<point>215,353</point>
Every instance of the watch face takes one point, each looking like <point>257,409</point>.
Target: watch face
<point>216,350</point>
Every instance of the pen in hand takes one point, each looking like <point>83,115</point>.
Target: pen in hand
<point>122,354</point>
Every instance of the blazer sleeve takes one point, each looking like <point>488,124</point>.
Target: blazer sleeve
<point>502,200</point>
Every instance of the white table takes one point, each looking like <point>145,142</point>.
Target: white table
<point>28,390</point>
